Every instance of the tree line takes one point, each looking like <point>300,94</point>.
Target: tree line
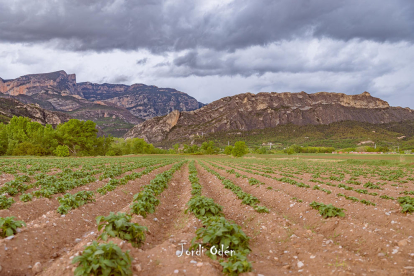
<point>22,137</point>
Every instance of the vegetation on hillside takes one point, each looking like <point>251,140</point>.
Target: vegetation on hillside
<point>339,135</point>
<point>21,137</point>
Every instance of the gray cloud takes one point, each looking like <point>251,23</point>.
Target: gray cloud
<point>120,79</point>
<point>296,56</point>
<point>142,61</point>
<point>178,25</point>
<point>211,49</point>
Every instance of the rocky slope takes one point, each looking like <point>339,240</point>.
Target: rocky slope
<point>246,112</point>
<point>141,100</point>
<point>10,107</point>
<point>114,107</point>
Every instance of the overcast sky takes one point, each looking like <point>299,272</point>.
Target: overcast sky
<point>211,49</point>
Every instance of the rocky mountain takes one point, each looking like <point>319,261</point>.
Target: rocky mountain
<point>143,101</point>
<point>247,112</point>
<point>114,107</point>
<point>10,107</point>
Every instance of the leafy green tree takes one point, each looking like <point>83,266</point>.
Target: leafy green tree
<point>239,149</point>
<point>228,150</point>
<point>103,144</point>
<point>176,147</point>
<point>191,148</point>
<point>4,141</point>
<point>79,136</point>
<point>27,148</point>
<point>138,145</point>
<point>261,150</point>
<point>119,146</point>
<point>289,151</point>
<point>209,148</point>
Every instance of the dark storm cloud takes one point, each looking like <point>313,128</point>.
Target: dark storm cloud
<point>120,79</point>
<point>296,56</point>
<point>178,25</point>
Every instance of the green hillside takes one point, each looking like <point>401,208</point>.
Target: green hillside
<point>338,135</point>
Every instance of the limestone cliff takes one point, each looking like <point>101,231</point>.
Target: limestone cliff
<point>58,82</point>
<point>155,129</point>
<point>246,112</point>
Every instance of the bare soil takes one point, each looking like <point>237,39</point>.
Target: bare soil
<point>292,239</point>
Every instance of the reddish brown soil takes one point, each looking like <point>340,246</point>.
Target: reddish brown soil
<point>364,233</point>
<point>28,211</point>
<point>292,239</point>
<point>51,234</point>
<point>158,254</point>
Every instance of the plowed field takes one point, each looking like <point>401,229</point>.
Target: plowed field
<point>368,226</point>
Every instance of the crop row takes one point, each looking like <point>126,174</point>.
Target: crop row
<point>252,181</point>
<point>145,201</point>
<point>224,240</point>
<point>406,203</point>
<point>246,198</point>
<point>333,171</point>
<point>61,182</point>
<point>108,258</point>
<point>283,179</point>
<point>113,183</point>
<point>369,185</point>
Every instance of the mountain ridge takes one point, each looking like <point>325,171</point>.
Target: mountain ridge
<point>115,107</point>
<point>248,111</point>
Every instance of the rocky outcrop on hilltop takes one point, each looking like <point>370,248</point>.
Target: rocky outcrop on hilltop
<point>155,129</point>
<point>143,101</point>
<point>109,105</point>
<point>246,112</point>
<point>58,82</point>
<point>10,107</point>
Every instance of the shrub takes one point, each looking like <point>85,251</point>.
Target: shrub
<point>120,225</point>
<point>239,149</point>
<point>9,226</point>
<point>61,151</point>
<point>103,259</point>
<point>27,148</point>
<point>228,150</point>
